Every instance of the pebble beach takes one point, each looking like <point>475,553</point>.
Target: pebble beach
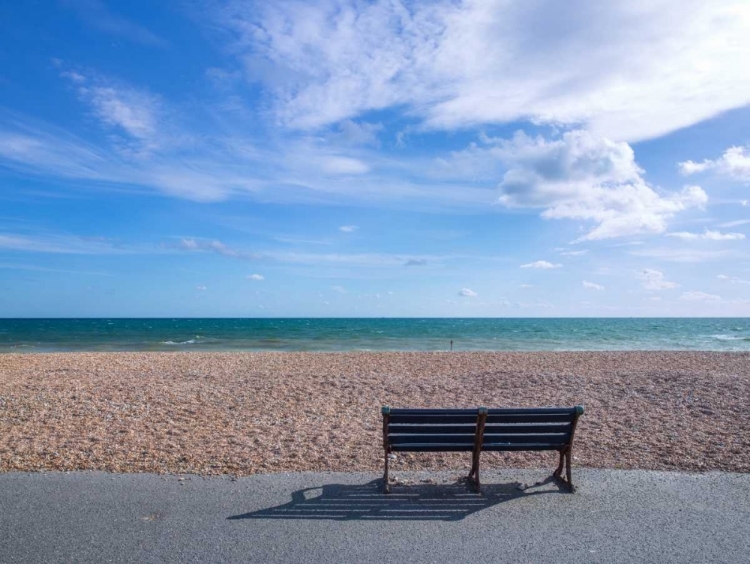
<point>246,413</point>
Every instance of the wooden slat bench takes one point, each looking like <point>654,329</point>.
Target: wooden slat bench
<point>482,429</point>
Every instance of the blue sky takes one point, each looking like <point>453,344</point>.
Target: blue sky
<point>384,158</point>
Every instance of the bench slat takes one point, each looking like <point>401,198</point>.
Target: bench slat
<point>434,418</point>
<point>432,411</point>
<point>431,447</point>
<point>432,429</point>
<point>521,446</point>
<point>511,429</point>
<point>530,418</point>
<point>557,438</point>
<point>495,429</point>
<point>531,410</point>
<point>435,439</point>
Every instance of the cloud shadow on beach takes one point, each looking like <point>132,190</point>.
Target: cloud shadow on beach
<point>419,502</point>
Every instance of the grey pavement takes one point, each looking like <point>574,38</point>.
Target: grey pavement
<point>615,516</point>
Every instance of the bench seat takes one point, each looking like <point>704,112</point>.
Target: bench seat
<point>481,429</point>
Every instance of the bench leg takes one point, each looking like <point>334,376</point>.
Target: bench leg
<point>559,470</point>
<point>564,462</point>
<point>474,473</point>
<point>386,483</point>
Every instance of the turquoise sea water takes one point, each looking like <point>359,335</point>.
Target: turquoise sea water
<point>45,335</point>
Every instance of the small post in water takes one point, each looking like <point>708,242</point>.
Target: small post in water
<point>451,344</point>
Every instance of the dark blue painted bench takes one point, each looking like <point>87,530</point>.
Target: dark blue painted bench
<point>482,429</point>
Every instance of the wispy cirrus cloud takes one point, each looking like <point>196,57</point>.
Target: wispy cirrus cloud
<point>214,246</point>
<point>63,244</point>
<point>695,296</point>
<point>732,279</point>
<point>592,286</point>
<point>541,265</point>
<point>685,255</point>
<point>326,64</point>
<point>97,15</point>
<point>707,235</point>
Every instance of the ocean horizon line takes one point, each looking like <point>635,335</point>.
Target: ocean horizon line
<point>373,334</point>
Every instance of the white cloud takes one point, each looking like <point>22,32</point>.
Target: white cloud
<point>60,244</point>
<point>604,68</point>
<point>343,166</point>
<point>467,293</point>
<point>736,223</point>
<point>257,277</point>
<point>583,177</point>
<point>96,14</point>
<point>214,246</point>
<point>734,164</point>
<point>682,255</point>
<point>733,279</point>
<point>339,289</point>
<point>201,288</point>
<point>655,280</point>
<point>694,296</point>
<point>348,228</point>
<point>541,264</point>
<point>353,133</point>
<point>592,286</point>
<point>573,253</point>
<point>708,235</point>
<point>120,107</point>
<point>526,286</point>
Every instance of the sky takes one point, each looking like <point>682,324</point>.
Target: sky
<point>340,158</point>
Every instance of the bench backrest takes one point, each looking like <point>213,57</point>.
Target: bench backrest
<point>440,430</point>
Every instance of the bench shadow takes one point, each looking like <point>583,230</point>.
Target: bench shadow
<point>418,502</point>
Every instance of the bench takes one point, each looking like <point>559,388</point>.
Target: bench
<point>482,429</point>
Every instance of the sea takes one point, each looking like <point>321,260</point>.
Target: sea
<point>325,335</point>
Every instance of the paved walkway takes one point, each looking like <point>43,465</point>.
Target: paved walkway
<point>616,516</point>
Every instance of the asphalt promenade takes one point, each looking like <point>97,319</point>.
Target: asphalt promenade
<point>615,516</point>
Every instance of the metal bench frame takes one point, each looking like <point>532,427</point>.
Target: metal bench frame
<point>450,430</point>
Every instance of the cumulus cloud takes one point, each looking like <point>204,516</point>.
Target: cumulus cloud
<point>467,293</point>
<point>734,164</point>
<point>707,235</point>
<point>541,264</point>
<point>339,289</point>
<point>584,177</point>
<point>323,64</point>
<point>592,286</point>
<point>694,296</point>
<point>201,288</point>
<point>348,228</point>
<point>257,277</point>
<point>655,280</point>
